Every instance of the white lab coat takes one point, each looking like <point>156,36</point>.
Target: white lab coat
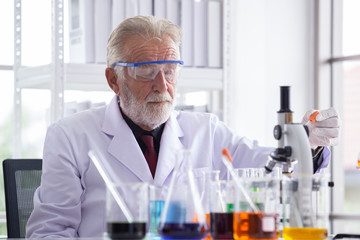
<point>71,199</point>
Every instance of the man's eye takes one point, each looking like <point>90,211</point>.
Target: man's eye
<point>169,73</point>
<point>146,72</point>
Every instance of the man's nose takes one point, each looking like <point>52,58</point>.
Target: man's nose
<point>160,83</point>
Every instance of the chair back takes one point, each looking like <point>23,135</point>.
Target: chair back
<point>21,178</point>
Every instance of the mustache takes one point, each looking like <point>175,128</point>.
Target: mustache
<point>154,97</point>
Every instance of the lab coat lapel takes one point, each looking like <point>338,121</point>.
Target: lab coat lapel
<point>169,146</point>
<point>124,146</point>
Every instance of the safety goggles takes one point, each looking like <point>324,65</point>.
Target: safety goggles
<point>147,71</point>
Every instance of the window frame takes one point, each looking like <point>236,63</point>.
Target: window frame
<point>328,42</point>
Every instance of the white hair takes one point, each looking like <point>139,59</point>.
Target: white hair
<point>146,27</point>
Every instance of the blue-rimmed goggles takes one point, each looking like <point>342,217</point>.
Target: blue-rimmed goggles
<point>147,71</point>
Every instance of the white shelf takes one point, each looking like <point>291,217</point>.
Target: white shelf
<point>34,77</point>
<point>201,79</point>
<point>58,76</point>
<point>89,77</point>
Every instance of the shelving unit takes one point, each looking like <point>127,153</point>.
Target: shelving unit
<point>91,76</point>
<point>59,76</point>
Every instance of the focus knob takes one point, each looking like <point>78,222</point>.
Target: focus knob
<point>277,132</point>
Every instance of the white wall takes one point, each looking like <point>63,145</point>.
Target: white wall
<point>271,45</point>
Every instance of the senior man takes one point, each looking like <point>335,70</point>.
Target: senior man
<point>138,134</point>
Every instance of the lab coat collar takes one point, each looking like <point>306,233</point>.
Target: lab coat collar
<point>113,119</point>
<point>169,146</point>
<point>125,148</point>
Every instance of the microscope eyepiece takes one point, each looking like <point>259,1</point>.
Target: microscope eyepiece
<point>284,99</point>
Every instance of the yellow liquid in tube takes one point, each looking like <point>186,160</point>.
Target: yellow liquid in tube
<point>290,233</point>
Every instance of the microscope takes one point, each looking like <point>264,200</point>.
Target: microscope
<point>293,151</point>
<point>293,141</point>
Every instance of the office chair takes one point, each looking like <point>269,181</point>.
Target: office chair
<point>21,178</point>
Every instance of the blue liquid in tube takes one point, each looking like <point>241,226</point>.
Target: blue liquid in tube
<point>155,213</point>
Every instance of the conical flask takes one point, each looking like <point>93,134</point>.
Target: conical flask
<point>183,215</point>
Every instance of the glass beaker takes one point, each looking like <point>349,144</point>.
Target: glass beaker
<point>305,206</point>
<point>157,196</point>
<point>222,194</point>
<point>135,197</point>
<point>183,216</point>
<point>265,194</point>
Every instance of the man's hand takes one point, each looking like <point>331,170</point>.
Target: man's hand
<point>325,131</point>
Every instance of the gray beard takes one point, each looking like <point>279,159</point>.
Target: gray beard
<point>151,115</point>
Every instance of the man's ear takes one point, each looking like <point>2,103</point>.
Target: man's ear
<point>112,79</point>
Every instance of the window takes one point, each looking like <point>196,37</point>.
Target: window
<point>345,78</point>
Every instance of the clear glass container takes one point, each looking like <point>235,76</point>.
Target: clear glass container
<point>131,223</point>
<point>264,192</point>
<point>305,207</point>
<point>221,209</point>
<point>183,216</point>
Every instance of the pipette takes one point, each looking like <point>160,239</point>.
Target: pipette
<point>94,157</point>
<point>312,118</point>
<point>227,160</point>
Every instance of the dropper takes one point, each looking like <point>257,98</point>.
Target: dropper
<point>312,118</point>
<point>94,157</point>
<point>227,160</point>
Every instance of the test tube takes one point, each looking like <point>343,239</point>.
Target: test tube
<point>239,172</point>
